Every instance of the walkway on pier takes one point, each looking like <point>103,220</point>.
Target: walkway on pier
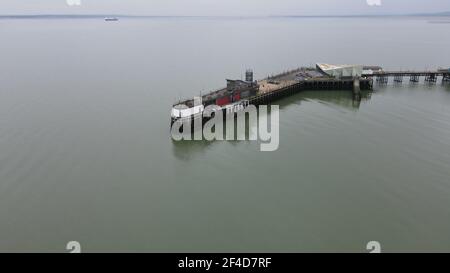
<point>430,76</point>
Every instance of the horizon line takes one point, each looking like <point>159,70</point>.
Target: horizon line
<point>445,14</point>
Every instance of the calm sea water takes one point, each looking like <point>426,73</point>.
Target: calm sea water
<point>86,155</point>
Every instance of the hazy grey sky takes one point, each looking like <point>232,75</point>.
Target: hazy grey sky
<point>221,7</point>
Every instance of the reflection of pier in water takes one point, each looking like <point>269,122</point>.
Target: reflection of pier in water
<point>185,150</point>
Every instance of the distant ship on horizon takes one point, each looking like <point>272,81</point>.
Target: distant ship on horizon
<point>110,19</point>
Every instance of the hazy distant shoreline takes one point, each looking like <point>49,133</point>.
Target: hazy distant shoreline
<point>96,16</point>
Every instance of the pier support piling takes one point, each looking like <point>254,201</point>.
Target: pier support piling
<point>431,78</point>
<point>398,78</point>
<point>356,89</point>
<point>446,78</point>
<point>414,78</point>
<point>382,79</point>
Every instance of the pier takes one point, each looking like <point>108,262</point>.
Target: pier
<point>239,93</point>
<point>382,77</point>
